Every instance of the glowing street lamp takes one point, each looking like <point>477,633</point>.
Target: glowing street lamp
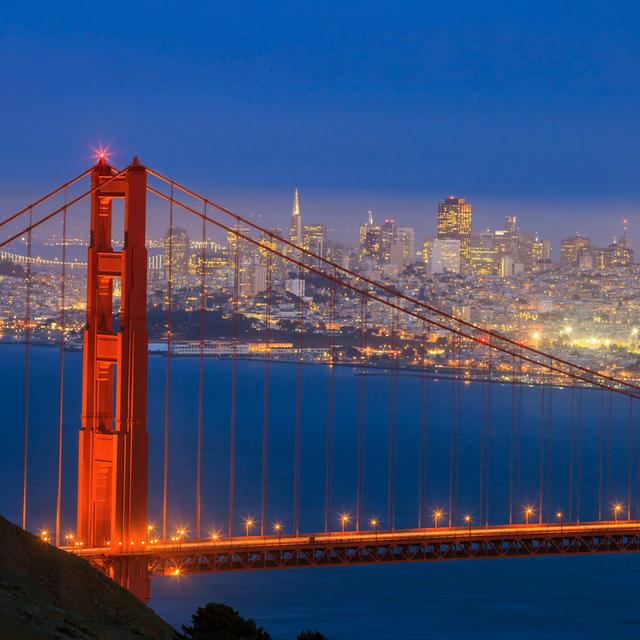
<point>150,528</point>
<point>44,535</point>
<point>344,519</point>
<point>277,527</point>
<point>468,519</point>
<point>528,512</point>
<point>249,524</point>
<point>215,535</point>
<point>437,514</point>
<point>617,508</point>
<point>560,517</point>
<point>374,525</point>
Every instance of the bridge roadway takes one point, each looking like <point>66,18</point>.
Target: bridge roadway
<point>373,547</point>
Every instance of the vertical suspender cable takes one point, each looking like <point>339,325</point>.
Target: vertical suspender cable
<point>330,410</point>
<point>541,461</point>
<point>572,427</point>
<point>265,395</point>
<point>297,446</point>
<point>483,388</point>
<point>458,420</point>
<point>423,466</point>
<point>579,455</point>
<point>167,379</point>
<point>61,369</point>
<point>362,411</point>
<point>609,452</point>
<point>393,417</point>
<point>234,376</point>
<point>512,436</point>
<point>638,468</point>
<point>452,420</point>
<point>489,436</point>
<point>519,427</point>
<point>203,241</point>
<point>629,456</point>
<point>600,468</point>
<point>27,349</point>
<point>549,441</point>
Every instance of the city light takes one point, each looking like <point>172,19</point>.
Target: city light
<point>249,523</point>
<point>344,519</point>
<point>437,514</point>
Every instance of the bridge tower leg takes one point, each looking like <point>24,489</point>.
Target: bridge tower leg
<point>112,472</point>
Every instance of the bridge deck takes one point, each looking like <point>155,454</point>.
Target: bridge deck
<point>370,547</point>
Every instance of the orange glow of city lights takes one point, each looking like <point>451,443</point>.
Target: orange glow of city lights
<point>437,514</point>
<point>344,519</point>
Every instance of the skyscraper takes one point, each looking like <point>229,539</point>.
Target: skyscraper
<point>370,239</point>
<point>177,251</point>
<point>454,222</point>
<point>295,229</point>
<point>314,238</point>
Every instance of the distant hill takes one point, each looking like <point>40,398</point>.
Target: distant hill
<point>48,593</point>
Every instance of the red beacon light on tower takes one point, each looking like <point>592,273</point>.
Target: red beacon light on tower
<point>101,154</point>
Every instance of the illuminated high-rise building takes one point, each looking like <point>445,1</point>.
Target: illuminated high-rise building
<point>387,238</point>
<point>483,254</point>
<point>572,248</point>
<point>314,238</point>
<point>295,229</point>
<point>370,240</point>
<point>454,222</point>
<point>177,251</point>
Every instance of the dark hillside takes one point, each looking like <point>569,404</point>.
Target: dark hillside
<point>48,593</point>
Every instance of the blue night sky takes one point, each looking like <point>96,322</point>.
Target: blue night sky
<point>523,107</point>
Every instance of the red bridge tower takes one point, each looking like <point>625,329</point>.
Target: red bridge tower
<point>112,473</point>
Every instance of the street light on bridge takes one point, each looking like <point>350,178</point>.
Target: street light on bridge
<point>467,520</point>
<point>437,514</point>
<point>249,524</point>
<point>277,527</point>
<point>344,519</point>
<point>528,512</point>
<point>617,509</point>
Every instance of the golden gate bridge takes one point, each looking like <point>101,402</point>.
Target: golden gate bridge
<point>113,528</point>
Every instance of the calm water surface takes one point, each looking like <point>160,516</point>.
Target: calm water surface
<point>583,597</point>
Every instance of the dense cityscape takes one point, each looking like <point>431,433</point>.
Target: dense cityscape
<point>582,303</point>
